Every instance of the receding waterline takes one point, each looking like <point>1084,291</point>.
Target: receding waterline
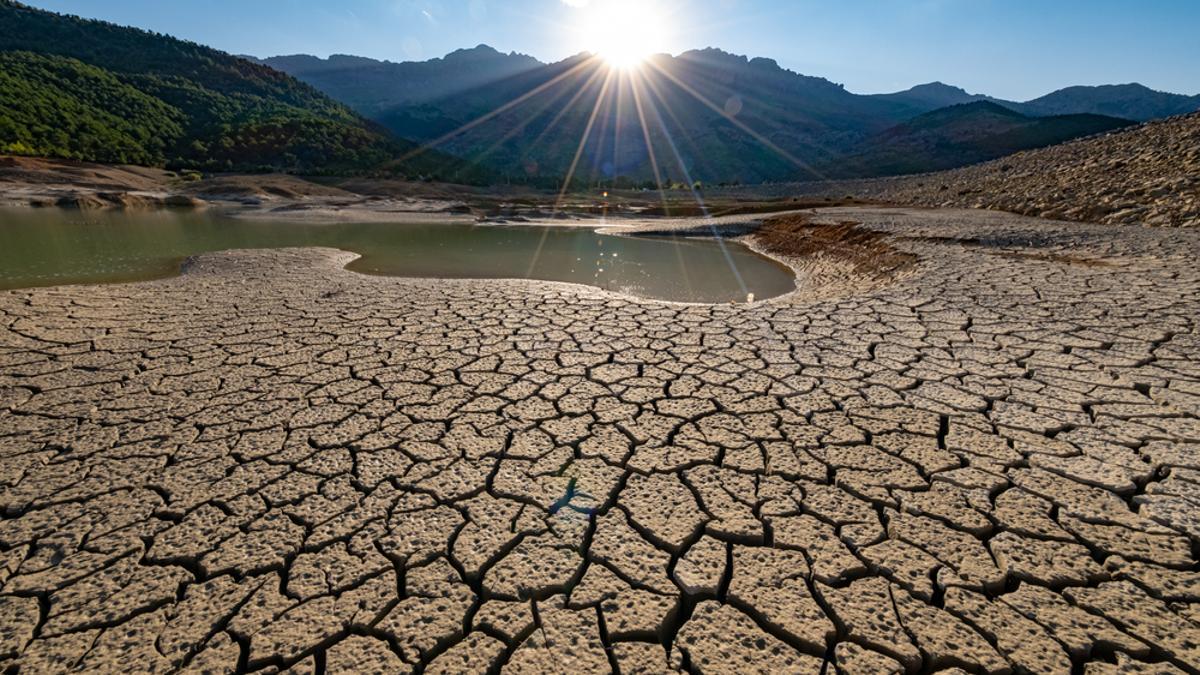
<point>48,247</point>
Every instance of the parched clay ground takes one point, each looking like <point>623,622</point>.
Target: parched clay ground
<point>270,463</point>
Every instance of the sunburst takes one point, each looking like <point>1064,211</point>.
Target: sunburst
<point>622,36</point>
<point>623,33</point>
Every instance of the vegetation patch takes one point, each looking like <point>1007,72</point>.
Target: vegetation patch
<point>89,90</point>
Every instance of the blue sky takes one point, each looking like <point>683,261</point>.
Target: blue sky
<point>1015,49</point>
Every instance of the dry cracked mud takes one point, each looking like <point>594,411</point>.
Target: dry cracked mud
<point>989,465</point>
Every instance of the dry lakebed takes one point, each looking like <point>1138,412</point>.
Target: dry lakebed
<point>937,440</point>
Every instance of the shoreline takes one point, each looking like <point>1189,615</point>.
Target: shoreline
<point>631,227</point>
<point>818,273</point>
<point>38,182</point>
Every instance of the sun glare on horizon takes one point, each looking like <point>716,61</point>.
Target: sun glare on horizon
<point>623,33</point>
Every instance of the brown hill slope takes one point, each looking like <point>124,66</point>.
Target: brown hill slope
<point>1145,175</point>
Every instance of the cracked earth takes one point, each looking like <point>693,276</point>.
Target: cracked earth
<point>989,464</point>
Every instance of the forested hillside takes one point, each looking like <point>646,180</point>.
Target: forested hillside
<point>91,90</point>
<point>60,107</point>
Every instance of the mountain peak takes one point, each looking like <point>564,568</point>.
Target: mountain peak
<point>1131,87</point>
<point>1132,101</point>
<point>931,95</point>
<point>478,51</point>
<point>713,54</point>
<point>485,52</point>
<point>759,67</point>
<point>937,87</point>
<point>976,107</point>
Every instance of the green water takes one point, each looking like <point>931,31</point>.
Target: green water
<point>46,247</point>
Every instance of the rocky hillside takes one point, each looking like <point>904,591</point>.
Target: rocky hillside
<point>1143,175</point>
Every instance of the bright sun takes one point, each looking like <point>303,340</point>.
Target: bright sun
<point>622,32</point>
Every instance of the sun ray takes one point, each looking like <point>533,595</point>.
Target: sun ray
<point>637,101</point>
<point>602,133</point>
<point>782,117</point>
<point>498,111</point>
<point>567,108</point>
<point>705,214</point>
<point>571,171</point>
<point>622,81</point>
<point>583,141</point>
<point>658,94</point>
<point>563,91</point>
<point>736,122</point>
<point>662,194</point>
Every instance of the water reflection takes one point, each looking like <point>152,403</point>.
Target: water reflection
<point>51,247</point>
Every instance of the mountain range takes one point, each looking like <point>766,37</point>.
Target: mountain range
<point>90,90</point>
<point>1127,101</point>
<point>371,86</point>
<point>708,115</point>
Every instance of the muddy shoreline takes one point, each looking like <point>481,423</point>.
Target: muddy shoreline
<point>39,182</point>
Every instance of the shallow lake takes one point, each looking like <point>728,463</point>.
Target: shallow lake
<point>45,247</point>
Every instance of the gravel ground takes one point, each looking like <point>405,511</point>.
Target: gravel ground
<point>989,462</point>
<point>1143,175</point>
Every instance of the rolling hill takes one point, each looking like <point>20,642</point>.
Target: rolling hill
<point>61,107</point>
<point>89,90</point>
